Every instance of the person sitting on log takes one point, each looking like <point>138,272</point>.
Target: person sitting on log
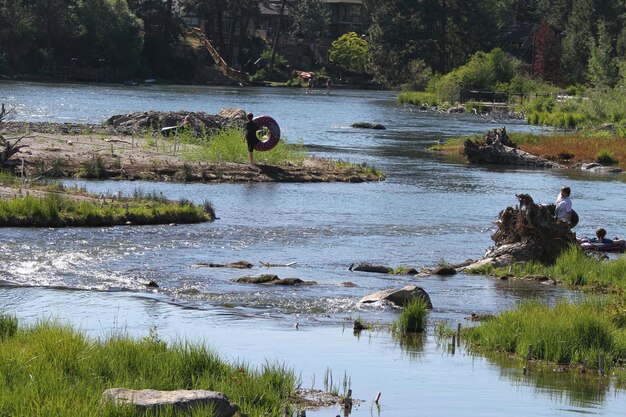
<point>563,210</point>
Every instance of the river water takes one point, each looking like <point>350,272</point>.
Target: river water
<point>431,208</point>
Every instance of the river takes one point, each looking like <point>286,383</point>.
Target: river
<point>431,208</point>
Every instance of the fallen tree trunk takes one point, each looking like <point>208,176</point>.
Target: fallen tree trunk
<point>497,148</point>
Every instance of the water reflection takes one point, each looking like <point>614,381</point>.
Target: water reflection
<point>559,383</point>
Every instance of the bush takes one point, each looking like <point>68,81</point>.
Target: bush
<point>605,157</point>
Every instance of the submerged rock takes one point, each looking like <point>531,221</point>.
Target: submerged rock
<point>599,168</point>
<point>368,267</point>
<point>368,125</point>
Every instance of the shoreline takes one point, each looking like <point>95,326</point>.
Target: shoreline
<point>71,150</point>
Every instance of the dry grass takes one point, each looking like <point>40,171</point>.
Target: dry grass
<point>580,147</point>
<point>565,148</point>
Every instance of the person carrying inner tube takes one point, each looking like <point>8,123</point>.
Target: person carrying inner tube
<point>250,137</point>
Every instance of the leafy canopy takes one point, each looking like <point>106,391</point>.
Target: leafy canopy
<point>350,52</point>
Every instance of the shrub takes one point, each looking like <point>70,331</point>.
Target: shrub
<point>606,158</point>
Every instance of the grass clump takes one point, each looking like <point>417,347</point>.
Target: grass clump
<point>418,98</point>
<point>567,333</point>
<point>49,369</point>
<point>229,146</point>
<point>606,157</point>
<point>413,318</point>
<point>8,326</point>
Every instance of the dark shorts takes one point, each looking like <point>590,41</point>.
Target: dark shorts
<point>251,142</point>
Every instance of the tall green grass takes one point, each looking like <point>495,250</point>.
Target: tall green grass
<point>413,318</point>
<point>54,210</point>
<point>229,146</point>
<point>565,120</point>
<point>52,370</point>
<point>418,98</point>
<point>567,333</point>
<point>573,267</point>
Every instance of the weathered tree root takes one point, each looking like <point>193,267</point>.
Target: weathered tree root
<point>530,232</point>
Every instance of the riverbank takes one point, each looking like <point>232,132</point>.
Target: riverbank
<point>34,204</point>
<point>62,150</point>
<point>571,149</point>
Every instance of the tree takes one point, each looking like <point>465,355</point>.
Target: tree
<point>440,33</point>
<point>350,52</point>
<point>16,35</point>
<point>602,67</point>
<point>107,30</point>
<point>224,17</point>
<point>310,19</point>
<point>546,53</point>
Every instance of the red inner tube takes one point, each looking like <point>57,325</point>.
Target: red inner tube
<point>274,133</point>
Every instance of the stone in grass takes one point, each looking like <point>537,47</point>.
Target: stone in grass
<point>149,399</point>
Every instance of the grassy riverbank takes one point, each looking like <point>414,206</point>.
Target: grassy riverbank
<point>574,268</point>
<point>567,148</point>
<point>51,205</point>
<point>50,369</point>
<point>568,333</point>
<point>71,151</point>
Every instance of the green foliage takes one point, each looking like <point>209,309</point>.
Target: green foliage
<point>69,32</point>
<point>574,267</point>
<point>93,169</point>
<point>49,369</point>
<point>310,18</point>
<point>606,157</point>
<point>58,211</point>
<point>350,52</point>
<point>8,326</point>
<point>557,119</point>
<point>413,318</point>
<point>567,333</point>
<point>405,33</point>
<point>602,66</point>
<point>418,98</point>
<point>229,146</point>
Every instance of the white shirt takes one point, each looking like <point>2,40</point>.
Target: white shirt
<point>563,207</point>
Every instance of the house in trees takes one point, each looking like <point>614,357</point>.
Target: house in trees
<point>537,44</point>
<point>346,16</point>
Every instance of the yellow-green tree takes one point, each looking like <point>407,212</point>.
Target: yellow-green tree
<point>350,52</point>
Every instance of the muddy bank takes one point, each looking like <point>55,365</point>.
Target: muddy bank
<point>125,148</point>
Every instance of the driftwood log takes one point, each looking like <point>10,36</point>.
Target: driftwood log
<point>497,148</point>
<point>530,232</point>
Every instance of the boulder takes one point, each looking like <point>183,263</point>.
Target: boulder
<point>399,296</point>
<point>599,168</point>
<point>444,270</point>
<point>261,279</point>
<point>368,267</point>
<point>368,125</point>
<point>153,400</point>
<point>270,279</point>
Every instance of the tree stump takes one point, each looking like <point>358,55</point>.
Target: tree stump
<point>530,232</point>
